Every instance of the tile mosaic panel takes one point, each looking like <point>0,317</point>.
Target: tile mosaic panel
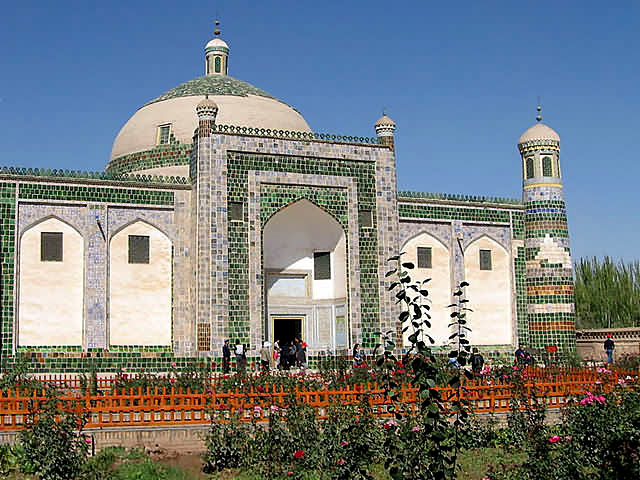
<point>7,265</point>
<point>83,193</point>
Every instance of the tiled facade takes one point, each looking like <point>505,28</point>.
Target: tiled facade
<point>218,285</point>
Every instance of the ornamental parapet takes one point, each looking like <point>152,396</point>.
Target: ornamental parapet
<point>77,174</point>
<point>408,196</point>
<point>293,135</point>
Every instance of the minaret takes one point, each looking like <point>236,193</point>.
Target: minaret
<point>207,111</point>
<point>216,55</point>
<point>549,269</point>
<point>385,129</point>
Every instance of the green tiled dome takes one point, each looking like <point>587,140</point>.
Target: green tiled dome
<point>213,85</point>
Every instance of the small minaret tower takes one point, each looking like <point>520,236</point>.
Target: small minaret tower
<point>207,111</point>
<point>216,54</point>
<point>549,269</point>
<point>385,129</point>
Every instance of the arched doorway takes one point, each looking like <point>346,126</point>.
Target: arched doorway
<point>305,264</point>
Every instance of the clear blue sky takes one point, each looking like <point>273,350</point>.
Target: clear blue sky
<point>461,80</point>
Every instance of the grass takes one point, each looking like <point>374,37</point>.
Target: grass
<point>116,463</point>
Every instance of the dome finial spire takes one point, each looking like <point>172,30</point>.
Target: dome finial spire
<point>539,109</point>
<point>216,54</point>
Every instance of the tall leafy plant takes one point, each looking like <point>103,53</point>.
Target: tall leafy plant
<point>437,440</point>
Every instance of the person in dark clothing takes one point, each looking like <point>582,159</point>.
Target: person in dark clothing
<point>295,348</point>
<point>226,356</point>
<point>301,354</point>
<point>284,356</point>
<point>521,355</point>
<point>608,347</point>
<point>477,361</point>
<point>292,354</point>
<point>357,355</point>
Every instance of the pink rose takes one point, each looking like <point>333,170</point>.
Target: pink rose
<point>173,364</point>
<point>341,461</point>
<point>344,443</point>
<point>555,438</point>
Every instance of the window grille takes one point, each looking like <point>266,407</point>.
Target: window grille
<point>138,249</point>
<point>366,218</point>
<point>485,260</point>
<point>236,211</point>
<point>530,172</point>
<point>424,257</point>
<point>51,246</point>
<point>322,265</point>
<point>164,133</point>
<point>546,167</point>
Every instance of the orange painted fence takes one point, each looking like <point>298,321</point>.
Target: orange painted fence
<point>170,406</point>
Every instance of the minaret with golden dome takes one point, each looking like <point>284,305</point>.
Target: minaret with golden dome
<point>549,268</point>
<point>216,54</point>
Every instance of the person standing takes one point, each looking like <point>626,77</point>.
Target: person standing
<point>477,361</point>
<point>608,347</point>
<point>284,356</point>
<point>357,355</point>
<point>520,355</point>
<point>301,354</point>
<point>276,355</point>
<point>226,356</point>
<point>265,357</point>
<point>240,356</point>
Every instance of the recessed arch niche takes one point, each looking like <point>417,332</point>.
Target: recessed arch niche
<point>140,291</point>
<point>439,287</point>
<point>489,293</point>
<point>51,289</point>
<point>292,239</point>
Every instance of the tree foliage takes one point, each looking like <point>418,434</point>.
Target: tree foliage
<point>607,294</point>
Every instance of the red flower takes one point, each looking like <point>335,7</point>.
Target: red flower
<point>298,454</point>
<point>260,388</point>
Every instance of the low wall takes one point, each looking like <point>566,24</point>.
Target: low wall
<point>181,439</point>
<point>590,343</point>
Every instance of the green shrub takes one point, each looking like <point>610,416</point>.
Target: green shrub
<point>53,450</point>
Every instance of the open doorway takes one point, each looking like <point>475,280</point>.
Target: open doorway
<point>286,329</point>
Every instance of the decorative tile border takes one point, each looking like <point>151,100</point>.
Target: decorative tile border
<point>270,191</point>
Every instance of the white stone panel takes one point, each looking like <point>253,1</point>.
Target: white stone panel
<point>51,293</point>
<point>439,287</point>
<point>489,294</point>
<point>140,294</point>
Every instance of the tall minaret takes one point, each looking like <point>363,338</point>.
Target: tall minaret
<point>216,55</point>
<point>549,270</point>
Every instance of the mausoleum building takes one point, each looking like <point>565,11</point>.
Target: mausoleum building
<point>220,214</point>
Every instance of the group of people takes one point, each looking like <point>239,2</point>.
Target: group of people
<point>290,354</point>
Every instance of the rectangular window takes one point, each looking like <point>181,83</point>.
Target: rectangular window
<point>236,211</point>
<point>164,133</point>
<point>530,167</point>
<point>546,167</point>
<point>485,259</point>
<point>321,265</point>
<point>424,257</point>
<point>138,249</point>
<point>51,246</point>
<point>366,218</point>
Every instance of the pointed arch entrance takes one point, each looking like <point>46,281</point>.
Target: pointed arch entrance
<point>305,273</point>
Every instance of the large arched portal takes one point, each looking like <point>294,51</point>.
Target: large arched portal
<point>305,267</point>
